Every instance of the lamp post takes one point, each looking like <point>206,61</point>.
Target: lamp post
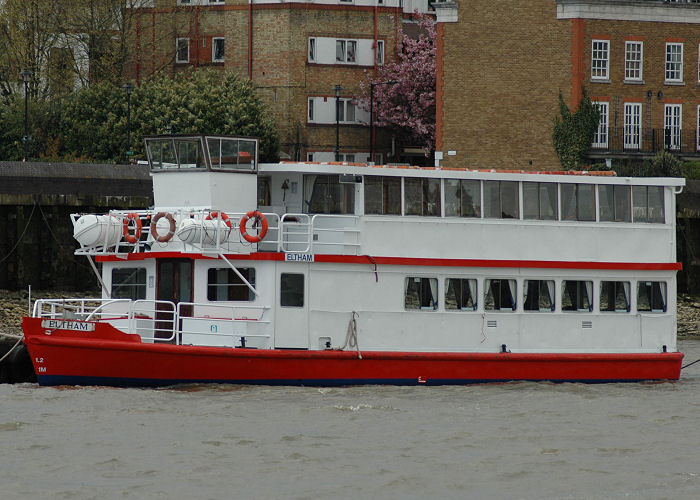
<point>371,114</point>
<point>337,90</point>
<point>128,86</point>
<point>26,75</point>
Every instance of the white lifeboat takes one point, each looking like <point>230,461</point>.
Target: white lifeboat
<point>94,230</point>
<point>208,232</point>
<point>190,231</point>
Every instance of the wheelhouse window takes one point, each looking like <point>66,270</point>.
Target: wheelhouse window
<point>291,290</point>
<point>539,295</point>
<point>600,137</point>
<point>232,154</point>
<point>674,62</point>
<point>460,294</point>
<point>422,196</point>
<point>615,296</point>
<point>421,294</point>
<point>614,203</point>
<point>499,295</point>
<point>578,202</point>
<point>600,59</point>
<point>651,296</point>
<point>634,56</point>
<point>540,200</point>
<point>648,204</point>
<point>224,284</point>
<point>325,194</point>
<point>462,198</point>
<point>382,195</point>
<point>129,283</point>
<point>577,296</point>
<point>501,200</point>
<point>182,50</point>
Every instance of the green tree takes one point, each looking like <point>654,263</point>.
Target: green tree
<point>573,132</point>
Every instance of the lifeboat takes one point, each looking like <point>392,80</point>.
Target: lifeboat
<point>94,230</point>
<point>208,232</point>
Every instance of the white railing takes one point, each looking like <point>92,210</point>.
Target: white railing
<point>223,325</point>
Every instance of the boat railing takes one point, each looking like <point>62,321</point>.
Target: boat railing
<point>223,325</point>
<point>336,233</point>
<point>295,233</point>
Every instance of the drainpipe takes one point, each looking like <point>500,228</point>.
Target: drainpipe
<point>250,40</point>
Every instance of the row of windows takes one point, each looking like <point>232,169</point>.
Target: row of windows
<point>462,294</point>
<point>182,49</point>
<point>634,61</point>
<point>358,51</point>
<point>488,199</point>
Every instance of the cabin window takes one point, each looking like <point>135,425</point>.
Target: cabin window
<point>648,204</point>
<point>462,198</point>
<point>224,284</point>
<point>499,295</point>
<point>651,296</point>
<point>539,295</point>
<point>540,200</point>
<point>578,202</point>
<point>382,195</point>
<point>501,200</point>
<point>291,290</point>
<point>615,296</point>
<point>460,294</point>
<point>422,196</point>
<point>129,283</point>
<point>577,296</point>
<point>236,154</point>
<point>264,191</point>
<point>325,194</point>
<point>421,294</point>
<point>614,203</point>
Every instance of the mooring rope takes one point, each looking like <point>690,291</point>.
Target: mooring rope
<point>351,336</point>
<point>12,348</point>
<point>689,364</point>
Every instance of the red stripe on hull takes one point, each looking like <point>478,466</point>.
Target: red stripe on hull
<point>115,355</point>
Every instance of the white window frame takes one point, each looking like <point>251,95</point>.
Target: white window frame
<point>632,135</point>
<point>312,49</point>
<point>634,55</point>
<point>600,59</point>
<point>673,119</point>
<point>699,64</point>
<point>346,43</point>
<point>673,69</point>
<point>603,130</point>
<point>380,52</point>
<point>697,138</point>
<point>343,105</point>
<point>310,110</point>
<point>213,49</point>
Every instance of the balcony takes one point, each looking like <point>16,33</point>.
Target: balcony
<point>683,143</point>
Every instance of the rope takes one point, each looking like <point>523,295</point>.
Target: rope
<point>12,349</point>
<point>690,364</point>
<point>21,236</point>
<point>351,336</point>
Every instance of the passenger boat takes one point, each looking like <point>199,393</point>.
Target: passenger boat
<point>302,273</point>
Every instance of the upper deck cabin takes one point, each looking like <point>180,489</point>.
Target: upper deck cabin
<point>355,209</point>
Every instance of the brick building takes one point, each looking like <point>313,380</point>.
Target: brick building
<point>501,66</point>
<point>295,53</point>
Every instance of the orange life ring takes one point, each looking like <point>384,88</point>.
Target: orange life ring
<point>259,217</point>
<point>223,217</point>
<point>154,228</point>
<point>127,222</point>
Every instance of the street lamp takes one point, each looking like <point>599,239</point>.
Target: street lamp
<point>128,86</point>
<point>26,75</point>
<point>371,114</point>
<point>337,90</point>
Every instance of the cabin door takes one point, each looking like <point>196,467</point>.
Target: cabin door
<point>292,306</point>
<point>174,284</point>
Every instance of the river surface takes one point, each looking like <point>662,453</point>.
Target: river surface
<point>502,441</point>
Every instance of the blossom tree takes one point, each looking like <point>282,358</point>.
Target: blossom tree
<point>408,105</point>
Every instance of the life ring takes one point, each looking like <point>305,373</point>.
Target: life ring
<point>154,227</point>
<point>259,217</point>
<point>223,217</point>
<point>127,233</point>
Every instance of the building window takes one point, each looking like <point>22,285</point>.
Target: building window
<point>672,125</point>
<point>674,62</point>
<point>325,194</point>
<point>600,59</point>
<point>217,49</point>
<point>697,139</point>
<point>224,284</point>
<point>380,52</point>
<point>600,139</point>
<point>614,203</point>
<point>501,200</point>
<point>577,296</point>
<point>345,51</point>
<point>634,56</point>
<point>311,109</point>
<point>499,295</point>
<point>539,295</point>
<point>651,296</point>
<point>578,202</point>
<point>312,50</point>
<point>291,290</point>
<point>648,204</point>
<point>422,196</point>
<point>615,296</point>
<point>129,283</point>
<point>460,294</point>
<point>182,50</point>
<point>462,198</point>
<point>421,294</point>
<point>633,126</point>
<point>382,195</point>
<point>540,201</point>
<point>345,108</point>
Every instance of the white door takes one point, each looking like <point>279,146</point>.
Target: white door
<point>292,305</point>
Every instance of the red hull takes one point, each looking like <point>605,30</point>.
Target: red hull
<point>107,356</point>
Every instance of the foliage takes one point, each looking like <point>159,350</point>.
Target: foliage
<point>574,132</point>
<point>663,164</point>
<point>408,106</point>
